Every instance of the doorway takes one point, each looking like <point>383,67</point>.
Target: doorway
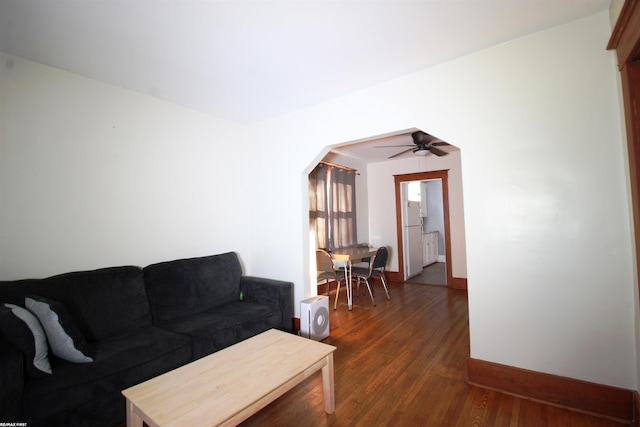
<point>401,182</point>
<point>423,232</point>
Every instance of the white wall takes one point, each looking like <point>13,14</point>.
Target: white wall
<point>93,176</point>
<point>547,227</point>
<point>545,210</point>
<point>382,207</point>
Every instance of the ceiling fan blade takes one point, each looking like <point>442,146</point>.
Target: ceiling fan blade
<point>402,152</point>
<point>391,146</point>
<point>439,143</point>
<point>437,151</point>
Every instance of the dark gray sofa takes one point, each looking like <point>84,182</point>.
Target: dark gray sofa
<point>139,322</point>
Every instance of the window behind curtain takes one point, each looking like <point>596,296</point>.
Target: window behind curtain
<point>332,208</point>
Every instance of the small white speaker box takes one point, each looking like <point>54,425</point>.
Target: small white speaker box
<point>314,318</point>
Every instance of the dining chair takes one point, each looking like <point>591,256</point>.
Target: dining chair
<point>326,271</point>
<point>376,269</point>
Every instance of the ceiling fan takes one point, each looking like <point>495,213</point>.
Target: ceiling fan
<point>423,144</point>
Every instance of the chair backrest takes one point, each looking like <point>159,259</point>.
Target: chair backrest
<point>324,262</point>
<point>380,258</point>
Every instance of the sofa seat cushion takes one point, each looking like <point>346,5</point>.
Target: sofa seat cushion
<point>121,362</point>
<point>225,325</point>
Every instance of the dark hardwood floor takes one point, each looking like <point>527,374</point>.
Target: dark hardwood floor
<point>403,363</point>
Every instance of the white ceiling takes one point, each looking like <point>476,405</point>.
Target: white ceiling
<point>248,61</point>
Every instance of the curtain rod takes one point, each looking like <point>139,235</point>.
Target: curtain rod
<point>338,166</point>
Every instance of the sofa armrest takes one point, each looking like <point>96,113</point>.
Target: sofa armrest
<point>262,290</point>
<point>12,380</point>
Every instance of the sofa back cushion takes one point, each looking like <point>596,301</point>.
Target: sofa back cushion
<point>102,302</point>
<point>188,286</point>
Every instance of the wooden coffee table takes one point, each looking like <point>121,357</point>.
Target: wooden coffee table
<point>227,387</point>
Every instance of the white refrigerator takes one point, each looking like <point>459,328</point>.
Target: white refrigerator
<point>412,238</point>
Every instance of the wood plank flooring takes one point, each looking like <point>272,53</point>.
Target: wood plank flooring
<point>403,363</point>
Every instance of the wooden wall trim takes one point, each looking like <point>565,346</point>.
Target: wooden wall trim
<point>596,399</point>
<point>458,283</point>
<point>393,276</point>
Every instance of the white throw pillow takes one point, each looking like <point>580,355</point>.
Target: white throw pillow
<point>64,338</point>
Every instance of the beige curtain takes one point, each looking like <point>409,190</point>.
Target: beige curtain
<point>332,209</point>
<point>318,210</point>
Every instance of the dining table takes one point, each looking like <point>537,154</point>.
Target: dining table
<point>349,256</point>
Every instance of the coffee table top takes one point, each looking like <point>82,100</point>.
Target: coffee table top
<point>218,387</point>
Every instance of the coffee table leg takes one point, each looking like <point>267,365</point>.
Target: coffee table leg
<point>328,386</point>
<point>133,419</point>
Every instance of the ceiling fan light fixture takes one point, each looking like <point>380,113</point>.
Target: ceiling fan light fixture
<point>421,152</point>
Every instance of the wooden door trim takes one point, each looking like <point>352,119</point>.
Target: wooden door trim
<point>625,39</point>
<point>423,176</point>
